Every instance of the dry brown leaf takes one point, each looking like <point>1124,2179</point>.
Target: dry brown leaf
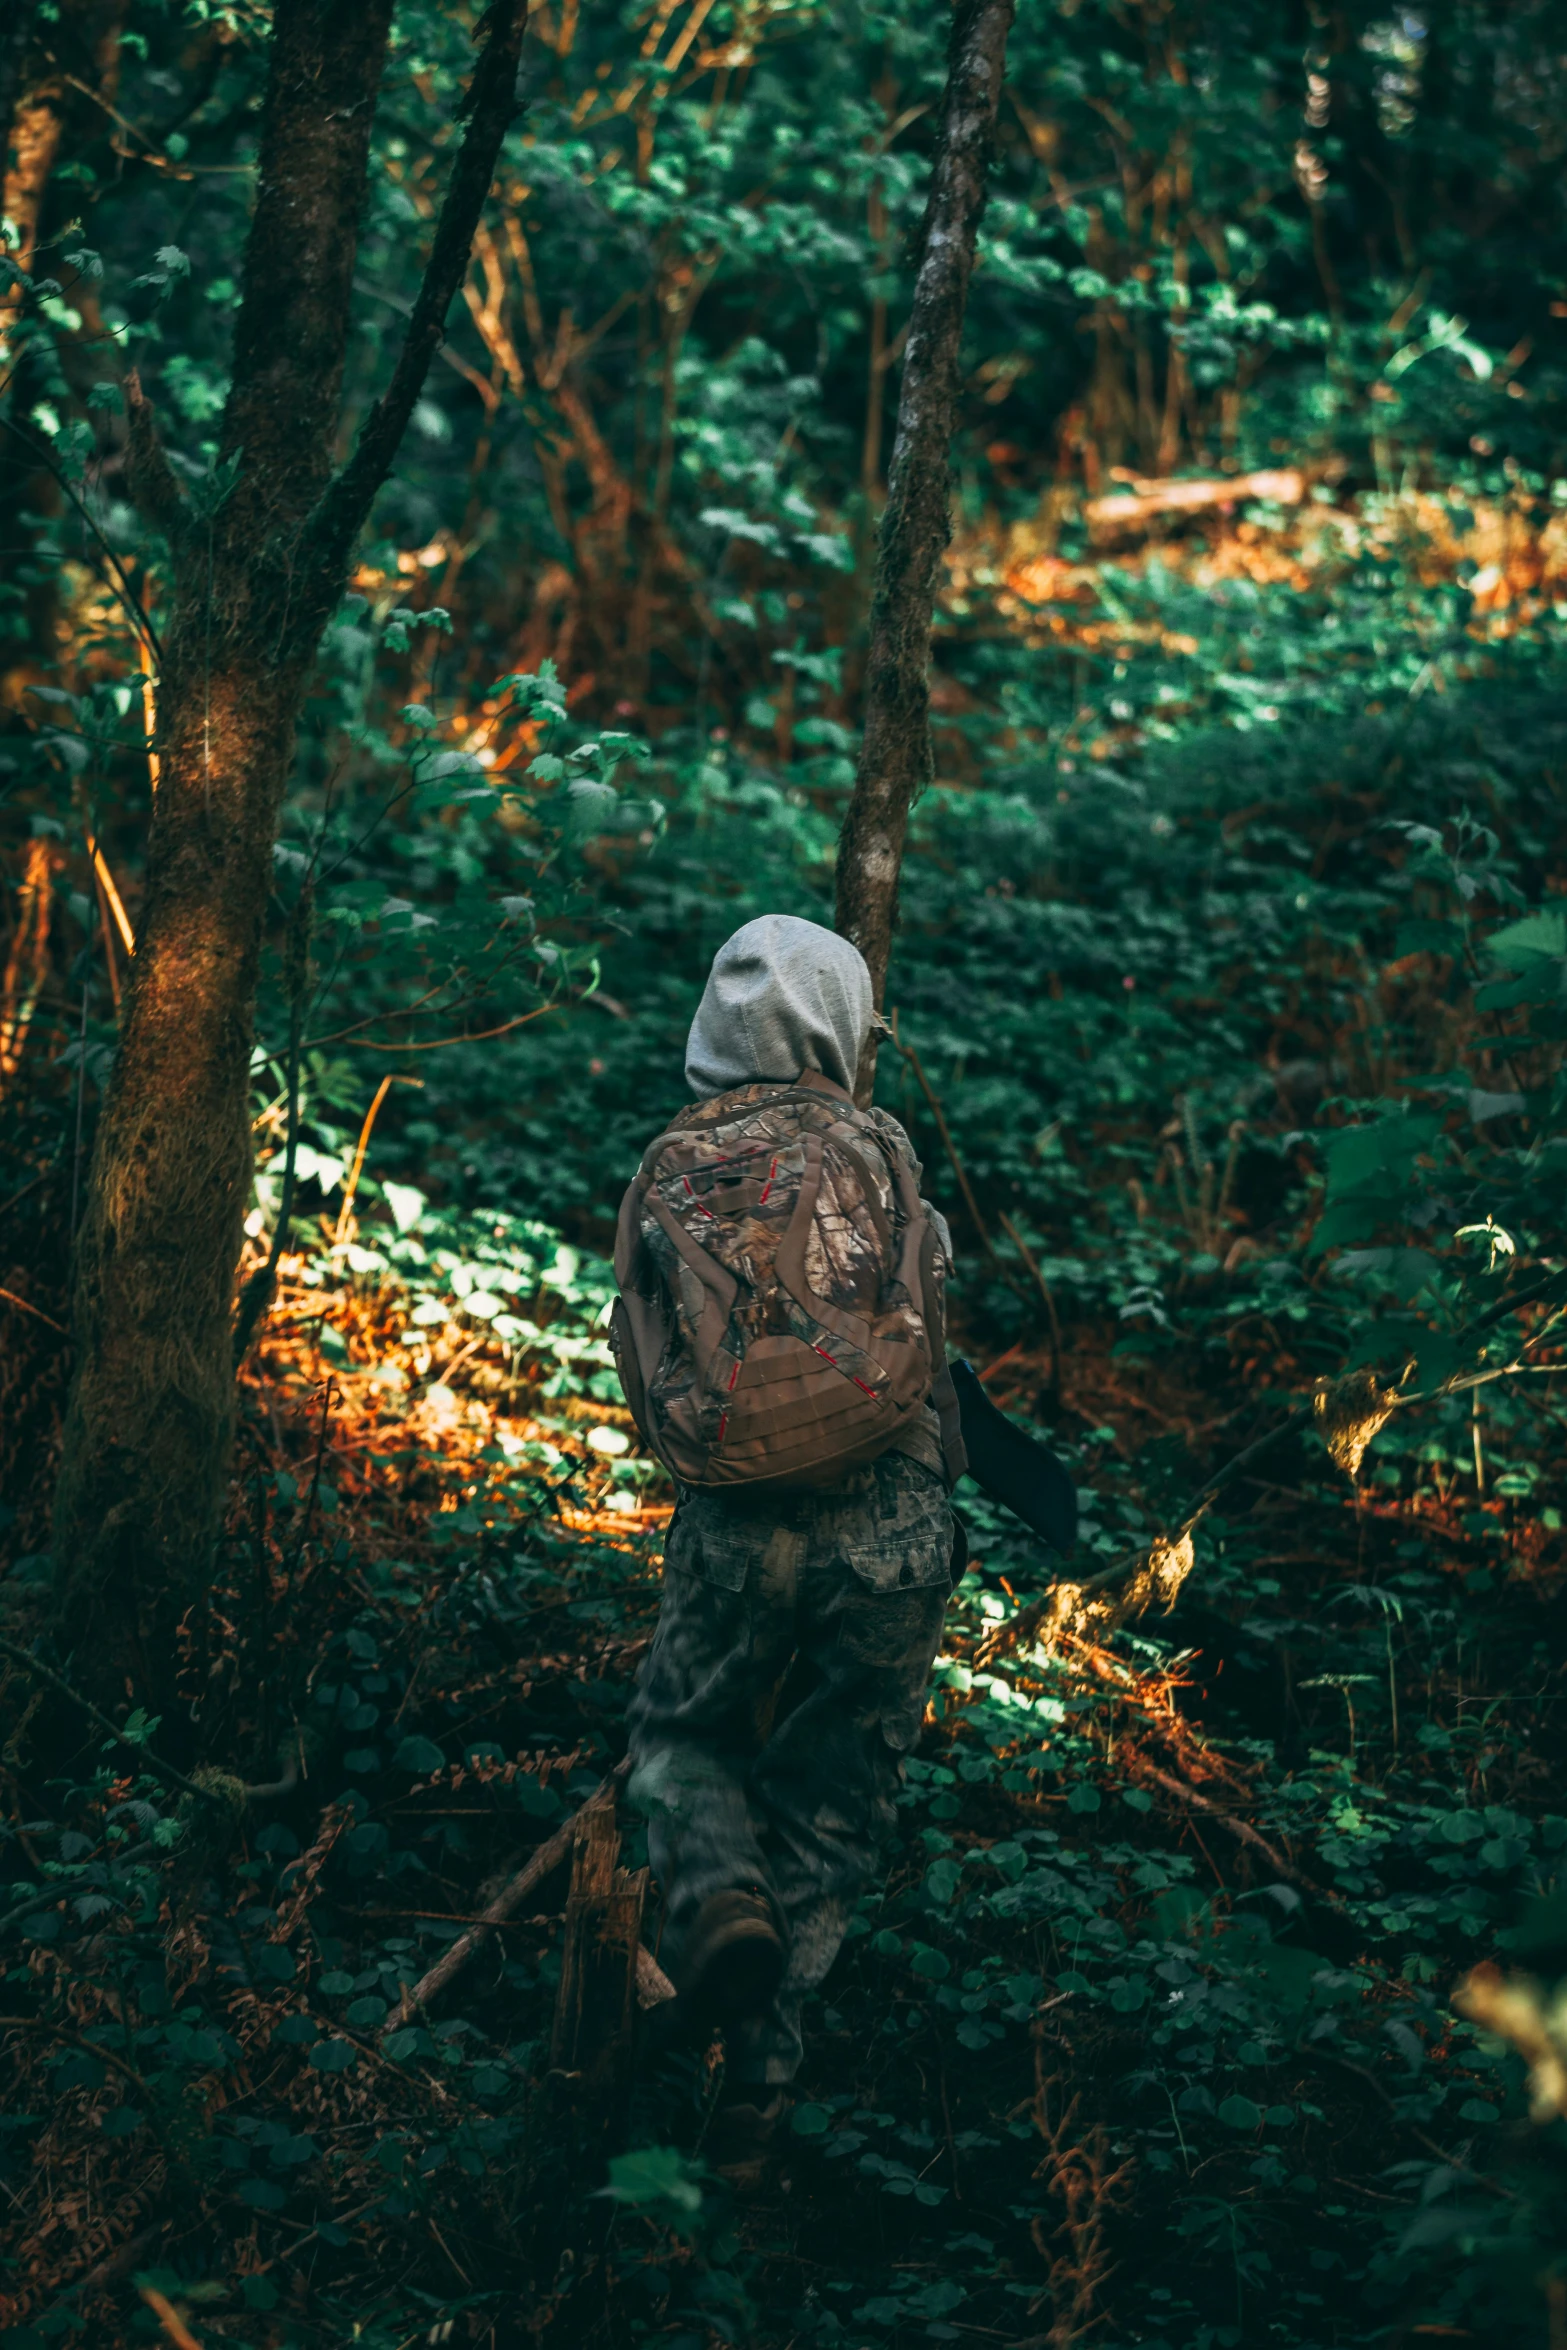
<point>1349,1412</point>
<point>1073,1614</point>
<point>1170,1561</point>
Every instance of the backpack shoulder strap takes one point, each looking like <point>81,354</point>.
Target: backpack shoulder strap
<point>813,1081</point>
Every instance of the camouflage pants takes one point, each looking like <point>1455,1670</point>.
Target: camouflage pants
<point>786,1680</point>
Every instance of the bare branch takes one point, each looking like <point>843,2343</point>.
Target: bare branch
<point>509,1899</point>
<point>491,108</point>
<point>1120,1571</point>
<point>114,577</point>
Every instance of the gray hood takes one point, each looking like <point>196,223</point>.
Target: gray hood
<point>783,995</point>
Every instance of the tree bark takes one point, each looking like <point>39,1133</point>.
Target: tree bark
<point>259,560</point>
<point>895,755</point>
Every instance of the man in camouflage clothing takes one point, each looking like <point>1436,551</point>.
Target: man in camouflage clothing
<point>788,1674</point>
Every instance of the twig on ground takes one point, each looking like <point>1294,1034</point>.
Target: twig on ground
<point>169,2318</point>
<point>113,2264</point>
<point>1242,1830</point>
<point>549,1855</point>
<point>1314,2053</point>
<point>95,2048</point>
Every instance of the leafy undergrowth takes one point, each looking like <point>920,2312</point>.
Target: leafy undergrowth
<point>1143,2038</point>
<point>1146,2035</point>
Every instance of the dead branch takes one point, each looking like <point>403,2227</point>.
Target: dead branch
<point>113,2265</point>
<point>491,108</point>
<point>1077,2170</point>
<point>1048,1606</point>
<point>1241,1830</point>
<point>510,1898</point>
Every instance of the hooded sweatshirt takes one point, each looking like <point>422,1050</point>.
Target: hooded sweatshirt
<point>783,995</point>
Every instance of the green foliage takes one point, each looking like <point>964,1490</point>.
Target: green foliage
<point>659,2181</point>
<point>1232,950</point>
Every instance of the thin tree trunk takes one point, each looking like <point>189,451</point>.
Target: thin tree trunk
<point>895,757</point>
<point>259,560</point>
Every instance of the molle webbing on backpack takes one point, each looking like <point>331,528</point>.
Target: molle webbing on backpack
<point>781,1312</point>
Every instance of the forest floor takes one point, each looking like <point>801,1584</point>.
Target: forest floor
<point>1142,2038</point>
<point>1145,2037</point>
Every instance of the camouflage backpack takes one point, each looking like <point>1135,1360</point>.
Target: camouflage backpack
<point>781,1316</point>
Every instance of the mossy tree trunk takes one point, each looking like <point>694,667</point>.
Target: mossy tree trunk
<point>895,753</point>
<point>259,556</point>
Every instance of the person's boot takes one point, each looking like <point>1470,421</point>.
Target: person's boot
<point>733,1957</point>
<point>742,2135</point>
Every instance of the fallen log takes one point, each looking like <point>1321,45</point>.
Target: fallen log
<point>1146,498</point>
